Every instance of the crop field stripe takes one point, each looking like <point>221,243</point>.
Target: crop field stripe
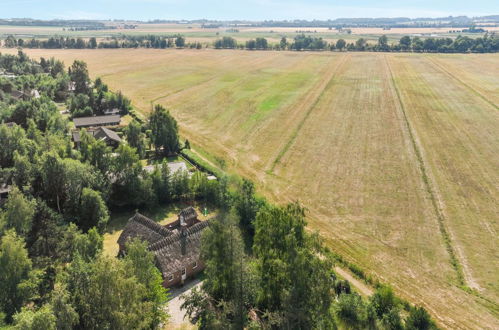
<point>293,136</point>
<point>455,263</point>
<point>440,67</point>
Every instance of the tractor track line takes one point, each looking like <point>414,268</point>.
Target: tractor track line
<point>294,135</point>
<point>440,67</point>
<point>455,263</point>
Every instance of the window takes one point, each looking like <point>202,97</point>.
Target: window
<point>183,271</point>
<point>170,277</point>
<point>195,264</point>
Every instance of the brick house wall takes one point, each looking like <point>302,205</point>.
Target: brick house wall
<point>191,271</point>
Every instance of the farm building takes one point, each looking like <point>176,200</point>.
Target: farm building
<point>97,121</point>
<point>177,246</point>
<point>110,137</point>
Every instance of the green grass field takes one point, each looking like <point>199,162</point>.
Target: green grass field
<point>394,155</point>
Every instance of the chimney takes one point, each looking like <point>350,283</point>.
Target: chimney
<point>183,237</point>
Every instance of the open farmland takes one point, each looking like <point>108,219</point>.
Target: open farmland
<point>196,33</point>
<point>395,155</point>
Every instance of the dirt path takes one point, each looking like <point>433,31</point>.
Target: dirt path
<point>359,286</point>
<point>441,67</point>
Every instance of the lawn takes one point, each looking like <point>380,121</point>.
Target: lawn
<point>395,156</point>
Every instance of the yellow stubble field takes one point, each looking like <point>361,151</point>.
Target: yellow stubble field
<point>396,156</point>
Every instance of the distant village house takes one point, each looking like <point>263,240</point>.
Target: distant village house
<point>97,121</point>
<point>110,137</point>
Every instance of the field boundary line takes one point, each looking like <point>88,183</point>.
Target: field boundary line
<point>455,263</point>
<point>294,135</point>
<point>474,91</point>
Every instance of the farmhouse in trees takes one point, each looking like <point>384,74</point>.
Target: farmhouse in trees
<point>176,246</point>
<point>110,137</point>
<point>97,121</point>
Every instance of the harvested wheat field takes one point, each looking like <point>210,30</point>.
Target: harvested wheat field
<point>396,156</point>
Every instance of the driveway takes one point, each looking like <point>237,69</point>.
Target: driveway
<point>176,314</point>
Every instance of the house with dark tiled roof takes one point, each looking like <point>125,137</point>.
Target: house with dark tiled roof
<point>110,137</point>
<point>176,247</point>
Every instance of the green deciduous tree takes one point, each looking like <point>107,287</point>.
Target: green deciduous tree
<point>107,295</point>
<point>141,263</point>
<point>247,206</point>
<point>41,319</point>
<point>93,211</point>
<point>405,43</point>
<point>18,213</point>
<point>419,319</point>
<point>17,284</point>
<point>65,314</point>
<point>87,246</point>
<point>135,137</point>
<point>293,280</point>
<point>79,75</point>
<point>164,130</point>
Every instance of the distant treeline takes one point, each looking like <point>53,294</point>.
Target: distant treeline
<point>489,43</point>
<point>57,22</point>
<point>404,22</point>
<point>124,41</point>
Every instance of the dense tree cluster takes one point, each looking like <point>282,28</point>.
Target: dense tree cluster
<point>283,279</point>
<point>52,271</point>
<point>225,43</point>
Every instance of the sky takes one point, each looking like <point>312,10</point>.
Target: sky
<point>242,9</point>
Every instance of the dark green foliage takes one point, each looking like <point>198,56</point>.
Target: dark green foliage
<point>65,314</point>
<point>106,294</point>
<point>30,319</point>
<point>164,131</point>
<point>247,206</point>
<point>293,280</point>
<point>340,44</point>
<point>350,311</point>
<point>18,213</point>
<point>226,43</point>
<point>79,75</point>
<point>222,244</point>
<point>135,137</point>
<point>59,206</point>
<point>383,301</point>
<point>45,235</point>
<point>17,281</point>
<point>180,42</point>
<point>141,262</point>
<point>93,211</point>
<point>302,42</point>
<point>419,319</point>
